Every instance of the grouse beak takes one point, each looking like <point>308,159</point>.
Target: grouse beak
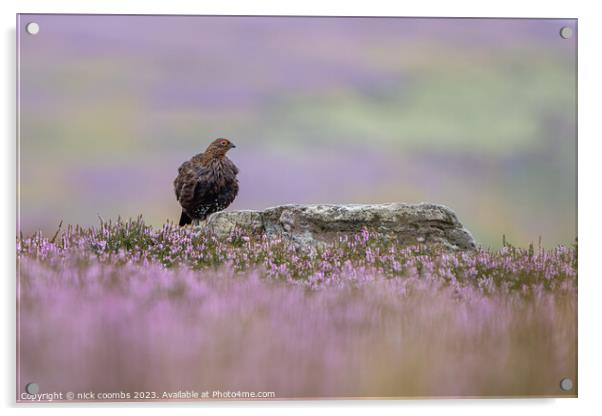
<point>232,146</point>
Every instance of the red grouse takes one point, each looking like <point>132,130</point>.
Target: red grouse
<point>206,183</point>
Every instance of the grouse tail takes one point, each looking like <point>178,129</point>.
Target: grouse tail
<point>185,219</point>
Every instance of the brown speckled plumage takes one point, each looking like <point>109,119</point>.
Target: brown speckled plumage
<point>206,183</point>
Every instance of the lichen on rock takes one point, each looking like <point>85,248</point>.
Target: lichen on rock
<point>317,224</point>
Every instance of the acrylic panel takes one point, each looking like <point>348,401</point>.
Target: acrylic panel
<point>263,208</point>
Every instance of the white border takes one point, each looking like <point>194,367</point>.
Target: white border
<point>590,348</point>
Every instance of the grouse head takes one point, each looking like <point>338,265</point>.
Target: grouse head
<point>219,147</point>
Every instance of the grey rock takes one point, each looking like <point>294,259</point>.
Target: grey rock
<point>318,224</point>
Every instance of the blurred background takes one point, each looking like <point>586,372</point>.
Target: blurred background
<point>475,114</point>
